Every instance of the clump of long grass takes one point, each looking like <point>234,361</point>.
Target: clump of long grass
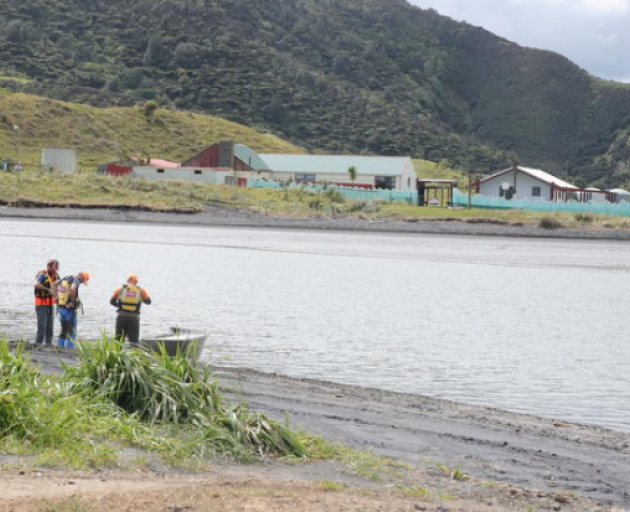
<point>36,413</point>
<point>549,223</point>
<point>164,390</point>
<point>169,407</point>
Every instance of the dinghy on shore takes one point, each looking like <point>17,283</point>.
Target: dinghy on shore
<point>178,338</point>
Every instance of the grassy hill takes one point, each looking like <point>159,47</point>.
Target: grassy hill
<point>338,76</point>
<point>104,134</point>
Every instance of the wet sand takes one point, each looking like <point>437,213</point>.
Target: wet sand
<point>488,444</point>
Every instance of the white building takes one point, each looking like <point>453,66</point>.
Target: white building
<point>526,184</point>
<point>620,195</point>
<point>199,175</point>
<point>394,173</point>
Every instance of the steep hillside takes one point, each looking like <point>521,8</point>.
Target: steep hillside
<point>373,76</point>
<point>100,135</point>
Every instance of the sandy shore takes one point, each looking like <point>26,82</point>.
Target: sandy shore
<point>543,457</point>
<point>232,217</point>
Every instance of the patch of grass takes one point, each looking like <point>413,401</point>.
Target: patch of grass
<point>363,463</point>
<point>74,504</point>
<point>329,485</point>
<point>115,398</point>
<point>584,218</point>
<point>416,491</point>
<point>550,223</point>
<point>174,391</point>
<point>453,473</point>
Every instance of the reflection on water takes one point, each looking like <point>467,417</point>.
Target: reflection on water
<point>534,326</point>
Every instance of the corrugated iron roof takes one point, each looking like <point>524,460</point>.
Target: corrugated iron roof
<point>535,173</point>
<point>336,164</point>
<point>247,155</point>
<point>156,162</point>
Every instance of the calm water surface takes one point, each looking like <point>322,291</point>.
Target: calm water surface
<point>536,326</point>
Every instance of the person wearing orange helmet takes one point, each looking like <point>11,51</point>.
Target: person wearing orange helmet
<point>128,298</point>
<point>67,293</point>
<point>44,302</point>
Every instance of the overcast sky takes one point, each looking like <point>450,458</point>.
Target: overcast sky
<point>595,34</point>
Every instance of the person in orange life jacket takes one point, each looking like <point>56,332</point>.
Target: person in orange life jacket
<point>67,291</point>
<point>128,298</point>
<point>44,302</point>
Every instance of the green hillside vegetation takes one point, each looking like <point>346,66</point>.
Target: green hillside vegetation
<point>335,76</point>
<point>105,134</point>
<point>438,171</point>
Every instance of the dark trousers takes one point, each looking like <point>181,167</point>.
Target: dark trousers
<point>128,324</point>
<point>45,322</point>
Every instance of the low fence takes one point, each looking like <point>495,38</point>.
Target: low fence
<point>497,203</point>
<point>358,194</point>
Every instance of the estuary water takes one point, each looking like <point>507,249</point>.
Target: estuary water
<point>527,325</point>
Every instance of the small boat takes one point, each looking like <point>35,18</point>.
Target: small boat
<point>177,339</point>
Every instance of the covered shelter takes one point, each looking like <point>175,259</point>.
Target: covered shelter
<point>435,192</point>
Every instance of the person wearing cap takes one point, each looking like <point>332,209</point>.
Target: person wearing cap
<point>67,293</point>
<point>128,298</point>
<point>44,302</point>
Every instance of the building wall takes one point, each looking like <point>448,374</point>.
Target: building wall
<point>183,173</point>
<point>523,184</point>
<point>322,178</point>
<point>408,179</point>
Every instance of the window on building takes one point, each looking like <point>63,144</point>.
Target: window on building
<point>507,192</point>
<point>385,182</point>
<point>299,178</point>
<point>408,182</point>
<point>535,191</point>
<point>160,171</point>
<point>197,171</point>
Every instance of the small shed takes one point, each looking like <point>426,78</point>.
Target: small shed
<point>60,159</point>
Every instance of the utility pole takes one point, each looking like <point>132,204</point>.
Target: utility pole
<point>469,189</point>
<point>16,128</point>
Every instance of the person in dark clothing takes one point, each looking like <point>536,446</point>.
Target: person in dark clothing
<point>45,302</point>
<point>128,298</point>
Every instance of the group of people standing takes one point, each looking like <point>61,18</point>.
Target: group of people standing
<point>52,291</point>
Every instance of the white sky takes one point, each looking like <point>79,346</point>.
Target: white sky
<point>595,34</point>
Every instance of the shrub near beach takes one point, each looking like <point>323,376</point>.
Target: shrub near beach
<point>115,398</point>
